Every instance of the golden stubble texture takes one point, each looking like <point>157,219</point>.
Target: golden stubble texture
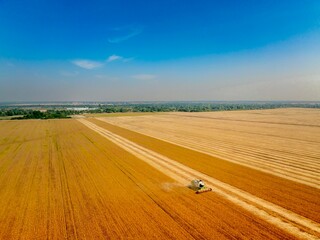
<point>62,180</point>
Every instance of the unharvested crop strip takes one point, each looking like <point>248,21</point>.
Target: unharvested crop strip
<point>278,163</point>
<point>172,132</point>
<point>311,178</point>
<point>270,168</point>
<point>284,219</point>
<point>252,121</point>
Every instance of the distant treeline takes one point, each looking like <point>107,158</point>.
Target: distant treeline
<point>35,114</point>
<point>62,111</point>
<point>196,107</point>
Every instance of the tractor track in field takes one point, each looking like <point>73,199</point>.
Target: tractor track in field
<point>301,170</point>
<point>253,121</point>
<point>284,219</point>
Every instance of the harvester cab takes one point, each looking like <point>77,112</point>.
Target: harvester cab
<point>199,186</point>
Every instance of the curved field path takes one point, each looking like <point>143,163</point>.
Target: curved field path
<point>61,180</point>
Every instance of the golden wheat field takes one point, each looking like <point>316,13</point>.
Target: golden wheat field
<point>127,177</point>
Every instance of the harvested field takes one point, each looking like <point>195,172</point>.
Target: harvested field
<point>282,142</point>
<point>59,179</point>
<point>291,194</point>
<point>280,217</point>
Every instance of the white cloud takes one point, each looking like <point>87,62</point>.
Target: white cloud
<point>87,64</point>
<point>144,76</point>
<point>114,58</point>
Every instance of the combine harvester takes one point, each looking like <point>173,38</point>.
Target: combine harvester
<point>199,186</point>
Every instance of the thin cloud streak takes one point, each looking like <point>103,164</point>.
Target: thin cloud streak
<point>114,58</point>
<point>87,64</point>
<point>132,33</point>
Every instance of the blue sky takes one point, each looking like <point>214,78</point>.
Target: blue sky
<point>159,50</point>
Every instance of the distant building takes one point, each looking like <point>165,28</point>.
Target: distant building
<point>80,108</point>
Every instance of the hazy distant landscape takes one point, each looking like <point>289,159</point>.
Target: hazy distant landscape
<point>67,109</point>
